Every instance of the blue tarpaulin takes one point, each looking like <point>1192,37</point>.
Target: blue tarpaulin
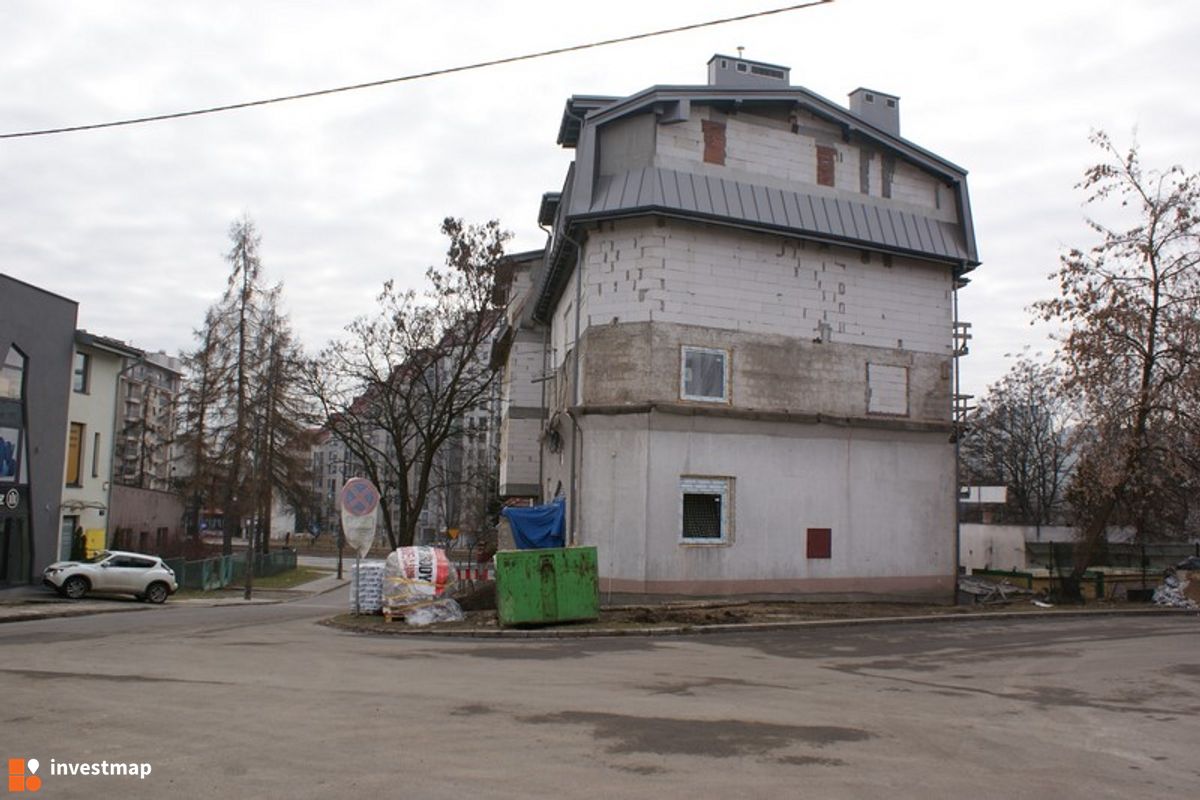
<point>539,526</point>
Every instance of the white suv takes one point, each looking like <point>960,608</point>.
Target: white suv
<point>115,572</point>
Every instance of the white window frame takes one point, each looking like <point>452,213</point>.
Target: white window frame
<point>712,485</point>
<point>684,350</point>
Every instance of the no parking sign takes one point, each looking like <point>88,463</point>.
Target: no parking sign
<point>360,501</point>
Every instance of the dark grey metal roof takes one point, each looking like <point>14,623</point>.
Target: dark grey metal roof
<point>115,346</point>
<point>858,223</point>
<point>548,208</point>
<point>573,113</point>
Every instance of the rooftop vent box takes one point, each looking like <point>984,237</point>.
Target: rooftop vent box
<point>878,109</point>
<point>732,72</point>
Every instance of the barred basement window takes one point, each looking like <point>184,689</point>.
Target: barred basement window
<point>705,510</point>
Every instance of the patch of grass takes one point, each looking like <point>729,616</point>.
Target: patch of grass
<point>284,580</point>
<point>290,579</point>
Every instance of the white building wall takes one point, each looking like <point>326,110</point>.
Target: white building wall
<point>992,546</point>
<point>519,448</point>
<point>887,497</point>
<point>562,329</point>
<point>523,367</point>
<point>95,409</point>
<point>700,275</point>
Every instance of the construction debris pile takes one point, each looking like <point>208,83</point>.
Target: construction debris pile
<point>1176,592</point>
<point>418,584</point>
<point>980,591</point>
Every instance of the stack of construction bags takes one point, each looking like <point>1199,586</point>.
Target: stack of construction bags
<point>417,584</point>
<point>366,587</point>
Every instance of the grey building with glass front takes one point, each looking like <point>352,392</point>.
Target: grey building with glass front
<point>37,338</point>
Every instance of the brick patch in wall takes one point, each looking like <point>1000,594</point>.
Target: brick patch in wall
<point>714,141</point>
<point>826,157</point>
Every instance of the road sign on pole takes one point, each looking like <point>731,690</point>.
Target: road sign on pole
<point>360,502</point>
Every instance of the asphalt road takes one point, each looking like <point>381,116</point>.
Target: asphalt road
<point>261,702</point>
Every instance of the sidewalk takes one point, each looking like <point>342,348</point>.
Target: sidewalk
<point>24,603</point>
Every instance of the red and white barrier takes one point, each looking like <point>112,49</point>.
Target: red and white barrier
<point>474,572</point>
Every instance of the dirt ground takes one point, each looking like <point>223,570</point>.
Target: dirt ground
<point>632,618</point>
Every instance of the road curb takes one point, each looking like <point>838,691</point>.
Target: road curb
<point>67,612</point>
<point>57,611</point>
<point>400,629</point>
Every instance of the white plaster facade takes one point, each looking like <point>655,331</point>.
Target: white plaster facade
<point>91,414</point>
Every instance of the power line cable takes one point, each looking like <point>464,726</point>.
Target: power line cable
<point>415,76</point>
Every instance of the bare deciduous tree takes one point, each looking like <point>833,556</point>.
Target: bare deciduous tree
<point>1019,437</point>
<point>401,383</point>
<point>1130,307</point>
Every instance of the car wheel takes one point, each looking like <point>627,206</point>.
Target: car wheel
<point>157,593</point>
<point>75,587</point>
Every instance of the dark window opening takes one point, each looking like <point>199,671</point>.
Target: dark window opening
<point>701,516</point>
<point>767,72</point>
<point>79,381</point>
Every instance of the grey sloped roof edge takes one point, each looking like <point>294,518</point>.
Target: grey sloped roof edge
<point>724,200</point>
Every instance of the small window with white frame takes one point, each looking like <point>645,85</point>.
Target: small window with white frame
<point>706,510</point>
<point>704,374</point>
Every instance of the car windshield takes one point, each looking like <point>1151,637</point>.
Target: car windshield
<point>98,557</point>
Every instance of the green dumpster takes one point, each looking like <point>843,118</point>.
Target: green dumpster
<point>553,584</point>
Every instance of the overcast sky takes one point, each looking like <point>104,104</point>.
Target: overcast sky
<point>349,190</point>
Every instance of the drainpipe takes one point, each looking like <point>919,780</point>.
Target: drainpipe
<point>542,380</point>
<point>576,439</point>
<point>957,437</point>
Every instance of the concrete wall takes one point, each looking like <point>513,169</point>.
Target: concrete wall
<point>992,546</point>
<point>640,362</point>
<point>521,416</point>
<point>520,387</point>
<point>144,512</point>
<point>519,456</point>
<point>42,326</point>
<point>694,274</point>
<point>627,143</point>
<point>888,498</point>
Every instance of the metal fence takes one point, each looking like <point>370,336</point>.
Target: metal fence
<point>266,564</point>
<point>220,571</point>
<point>1131,556</point>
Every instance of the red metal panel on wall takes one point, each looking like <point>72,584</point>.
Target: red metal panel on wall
<point>820,543</point>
